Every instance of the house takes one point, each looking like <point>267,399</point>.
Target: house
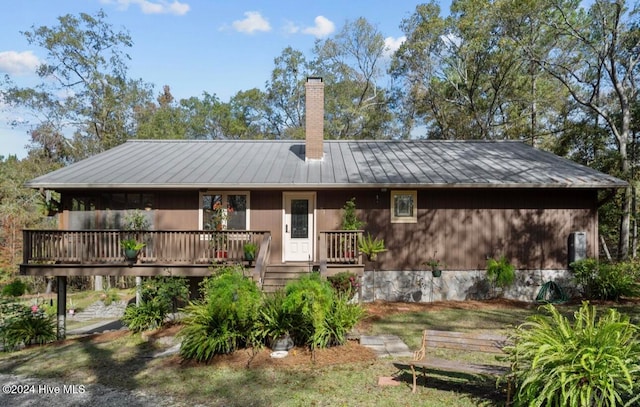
<point>460,202</point>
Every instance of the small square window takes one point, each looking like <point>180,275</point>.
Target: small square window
<point>404,207</point>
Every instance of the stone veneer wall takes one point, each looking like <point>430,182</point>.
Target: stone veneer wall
<point>421,286</point>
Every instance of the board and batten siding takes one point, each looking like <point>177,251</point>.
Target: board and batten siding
<point>460,227</point>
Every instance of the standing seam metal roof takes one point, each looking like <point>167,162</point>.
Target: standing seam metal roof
<point>255,164</point>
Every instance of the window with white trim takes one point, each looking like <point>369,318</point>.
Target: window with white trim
<point>224,211</point>
<point>404,207</point>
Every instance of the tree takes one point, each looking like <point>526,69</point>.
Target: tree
<point>463,78</point>
<point>19,207</point>
<point>162,121</point>
<point>84,103</point>
<point>594,55</point>
<point>352,64</point>
<point>285,95</point>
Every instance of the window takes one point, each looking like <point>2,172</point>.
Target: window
<point>404,208</point>
<point>224,211</point>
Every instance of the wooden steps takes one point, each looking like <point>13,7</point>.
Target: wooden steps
<point>278,275</point>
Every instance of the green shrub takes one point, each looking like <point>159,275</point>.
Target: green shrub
<point>320,317</point>
<point>146,316</point>
<point>110,296</point>
<point>344,282</point>
<point>606,281</point>
<point>224,321</point>
<point>273,320</point>
<point>159,296</point>
<point>309,301</point>
<point>590,363</point>
<point>500,272</point>
<point>341,319</point>
<point>20,325</point>
<point>16,288</point>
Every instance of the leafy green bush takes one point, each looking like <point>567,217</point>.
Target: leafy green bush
<point>321,318</point>
<point>110,296</point>
<point>20,324</point>
<point>309,301</point>
<point>16,288</point>
<point>500,272</point>
<point>224,321</point>
<point>273,320</point>
<point>590,363</point>
<point>146,316</point>
<point>342,317</point>
<point>606,281</point>
<point>344,282</point>
<point>159,297</point>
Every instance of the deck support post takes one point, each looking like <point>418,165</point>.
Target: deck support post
<point>62,306</point>
<point>138,291</point>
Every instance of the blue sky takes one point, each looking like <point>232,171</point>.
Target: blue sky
<point>194,46</point>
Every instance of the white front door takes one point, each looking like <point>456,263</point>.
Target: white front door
<point>298,223</point>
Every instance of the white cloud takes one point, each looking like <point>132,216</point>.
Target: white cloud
<point>153,7</point>
<point>252,23</point>
<point>18,63</point>
<point>290,27</point>
<point>323,27</point>
<point>391,45</point>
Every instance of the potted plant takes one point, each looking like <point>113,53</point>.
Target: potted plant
<point>500,272</point>
<point>131,248</point>
<point>72,309</point>
<point>350,221</point>
<point>435,266</point>
<point>250,249</point>
<point>371,247</point>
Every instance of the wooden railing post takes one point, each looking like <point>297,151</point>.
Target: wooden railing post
<point>323,253</point>
<point>263,258</point>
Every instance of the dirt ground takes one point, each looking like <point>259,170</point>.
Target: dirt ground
<point>298,357</point>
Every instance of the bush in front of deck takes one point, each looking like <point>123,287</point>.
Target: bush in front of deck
<point>160,296</point>
<point>592,362</point>
<point>224,320</point>
<point>321,317</point>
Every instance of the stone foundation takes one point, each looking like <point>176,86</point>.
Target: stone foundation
<point>421,286</point>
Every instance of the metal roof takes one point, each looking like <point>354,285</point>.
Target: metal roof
<point>253,164</point>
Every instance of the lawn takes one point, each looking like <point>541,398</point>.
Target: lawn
<point>340,376</point>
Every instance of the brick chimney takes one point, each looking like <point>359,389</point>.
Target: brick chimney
<point>314,123</point>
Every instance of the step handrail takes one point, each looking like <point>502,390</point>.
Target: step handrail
<point>263,258</point>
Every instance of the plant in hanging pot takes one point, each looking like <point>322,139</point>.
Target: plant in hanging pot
<point>250,249</point>
<point>131,248</point>
<point>435,266</point>
<point>371,247</point>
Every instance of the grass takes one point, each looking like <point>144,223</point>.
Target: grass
<point>124,361</point>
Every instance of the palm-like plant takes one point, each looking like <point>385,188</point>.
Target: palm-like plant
<point>593,362</point>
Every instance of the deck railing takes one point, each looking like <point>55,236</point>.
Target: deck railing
<point>160,247</point>
<point>340,246</point>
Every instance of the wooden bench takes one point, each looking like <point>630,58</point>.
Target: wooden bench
<point>461,341</point>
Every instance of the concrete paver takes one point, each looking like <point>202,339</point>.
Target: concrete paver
<point>386,345</point>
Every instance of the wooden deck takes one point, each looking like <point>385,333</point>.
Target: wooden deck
<point>179,253</point>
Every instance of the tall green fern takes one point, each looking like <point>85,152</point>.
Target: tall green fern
<point>592,362</point>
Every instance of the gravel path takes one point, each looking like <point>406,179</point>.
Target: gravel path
<point>19,391</point>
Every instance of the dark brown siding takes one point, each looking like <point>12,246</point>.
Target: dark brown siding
<point>463,227</point>
<point>459,227</point>
<point>178,211</point>
<point>266,214</point>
